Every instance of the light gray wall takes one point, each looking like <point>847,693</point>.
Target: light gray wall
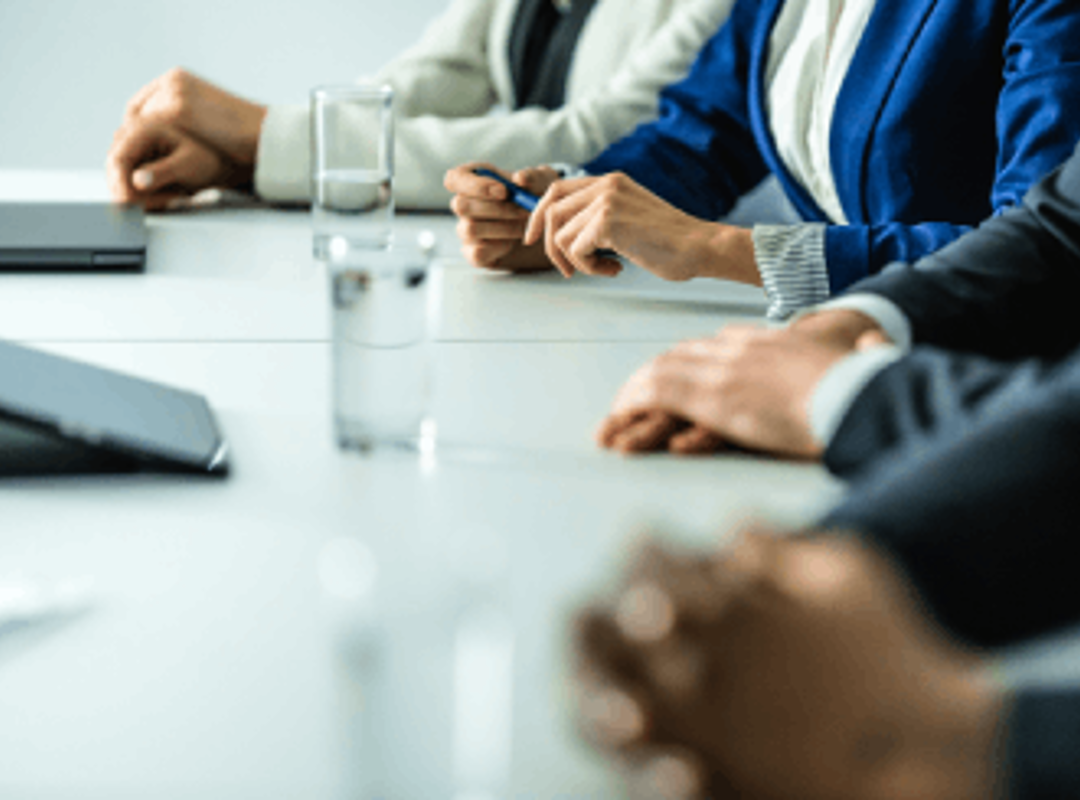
<point>67,67</point>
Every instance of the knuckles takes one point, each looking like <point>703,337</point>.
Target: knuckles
<point>459,205</point>
<point>173,99</point>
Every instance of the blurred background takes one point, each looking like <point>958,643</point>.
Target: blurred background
<point>67,67</point>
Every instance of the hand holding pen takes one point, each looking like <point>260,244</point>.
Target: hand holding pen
<point>489,225</point>
<point>593,225</point>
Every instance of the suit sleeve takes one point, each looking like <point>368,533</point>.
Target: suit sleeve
<point>1043,740</point>
<point>1008,289</point>
<point>1037,125</point>
<point>700,154</point>
<point>978,506</point>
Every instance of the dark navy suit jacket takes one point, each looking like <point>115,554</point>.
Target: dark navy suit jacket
<point>967,459</point>
<point>950,111</point>
<point>996,322</point>
<point>984,518</point>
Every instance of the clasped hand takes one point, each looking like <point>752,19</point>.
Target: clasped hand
<point>783,666</point>
<point>748,386</point>
<point>181,134</point>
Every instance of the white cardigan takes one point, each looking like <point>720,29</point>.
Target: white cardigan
<point>447,84</point>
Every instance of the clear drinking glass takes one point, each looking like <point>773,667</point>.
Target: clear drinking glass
<point>352,166</point>
<point>381,381</point>
<point>378,286</point>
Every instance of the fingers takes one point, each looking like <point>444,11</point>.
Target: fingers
<point>649,666</point>
<point>135,104</point>
<point>557,220</point>
<point>468,208</point>
<point>690,584</point>
<point>582,238</point>
<point>555,193</point>
<point>641,431</point>
<point>489,225</point>
<point>669,773</point>
<point>535,179</point>
<point>696,440</point>
<point>611,713</point>
<point>187,166</point>
<point>154,164</point>
<point>135,146</point>
<point>488,255</point>
<point>463,180</point>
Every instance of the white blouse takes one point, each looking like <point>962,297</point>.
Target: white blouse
<point>810,51</point>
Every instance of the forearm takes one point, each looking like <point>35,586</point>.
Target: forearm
<point>981,514</point>
<point>1043,738</point>
<point>918,400</point>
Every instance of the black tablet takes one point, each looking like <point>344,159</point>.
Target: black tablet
<point>72,237</point>
<point>58,415</point>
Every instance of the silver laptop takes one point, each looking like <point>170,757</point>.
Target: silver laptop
<point>72,237</point>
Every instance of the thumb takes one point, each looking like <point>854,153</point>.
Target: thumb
<point>535,179</point>
<point>183,166</point>
<point>875,337</point>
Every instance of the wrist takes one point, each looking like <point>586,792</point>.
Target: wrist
<point>841,326</point>
<point>729,254</point>
<point>955,757</point>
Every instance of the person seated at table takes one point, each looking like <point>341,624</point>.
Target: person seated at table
<point>892,127</point>
<point>574,74</point>
<point>854,658</point>
<point>994,330</point>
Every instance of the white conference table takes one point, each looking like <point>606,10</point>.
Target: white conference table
<point>206,665</point>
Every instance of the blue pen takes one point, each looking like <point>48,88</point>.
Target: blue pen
<point>528,201</point>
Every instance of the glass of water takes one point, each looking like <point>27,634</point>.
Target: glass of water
<point>381,312</point>
<point>352,166</point>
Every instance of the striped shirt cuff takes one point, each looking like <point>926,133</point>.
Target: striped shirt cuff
<point>791,261</point>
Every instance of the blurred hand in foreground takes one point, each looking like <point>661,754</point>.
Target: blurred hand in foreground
<point>782,667</point>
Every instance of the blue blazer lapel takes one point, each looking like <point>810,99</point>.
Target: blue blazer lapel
<point>759,120</point>
<point>887,41</point>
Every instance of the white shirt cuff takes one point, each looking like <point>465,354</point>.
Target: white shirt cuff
<point>884,312</point>
<point>791,261</point>
<point>836,392</point>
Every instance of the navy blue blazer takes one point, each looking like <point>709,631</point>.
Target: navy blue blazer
<point>967,467</point>
<point>950,111</point>
<point>981,515</point>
